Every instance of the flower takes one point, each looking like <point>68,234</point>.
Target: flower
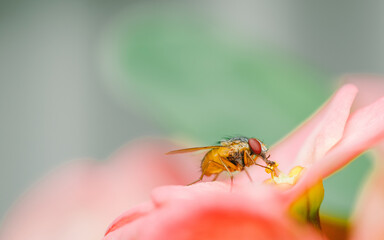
<point>322,145</point>
<point>78,200</point>
<point>369,213</point>
<point>208,211</point>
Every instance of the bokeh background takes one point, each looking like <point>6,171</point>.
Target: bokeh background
<point>82,78</point>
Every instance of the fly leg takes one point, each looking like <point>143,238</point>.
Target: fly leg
<point>249,176</point>
<point>216,176</point>
<point>198,180</point>
<point>204,170</point>
<point>253,160</point>
<point>226,168</point>
<point>272,166</point>
<point>222,167</point>
<point>247,162</point>
<point>269,162</point>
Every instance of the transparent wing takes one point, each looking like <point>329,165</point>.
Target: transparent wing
<point>186,150</point>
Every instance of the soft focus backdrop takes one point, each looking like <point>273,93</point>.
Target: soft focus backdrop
<point>82,78</point>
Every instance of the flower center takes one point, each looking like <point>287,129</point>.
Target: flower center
<point>306,207</point>
<point>280,178</point>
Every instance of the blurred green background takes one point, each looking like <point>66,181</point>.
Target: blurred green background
<point>81,78</point>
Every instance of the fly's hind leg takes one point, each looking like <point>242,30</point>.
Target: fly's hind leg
<point>198,180</point>
<point>218,165</point>
<point>216,176</point>
<point>204,170</point>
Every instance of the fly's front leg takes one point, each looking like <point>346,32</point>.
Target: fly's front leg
<point>246,155</point>
<point>249,176</point>
<point>267,161</point>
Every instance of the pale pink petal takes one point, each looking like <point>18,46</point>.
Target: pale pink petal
<point>370,87</point>
<point>330,130</point>
<point>130,216</point>
<point>80,199</point>
<point>364,129</point>
<point>128,225</point>
<point>368,218</point>
<point>259,192</point>
<point>215,216</point>
<point>317,135</point>
<point>166,194</point>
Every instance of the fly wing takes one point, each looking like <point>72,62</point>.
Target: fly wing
<point>186,150</point>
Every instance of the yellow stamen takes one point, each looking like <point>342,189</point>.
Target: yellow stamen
<point>306,207</point>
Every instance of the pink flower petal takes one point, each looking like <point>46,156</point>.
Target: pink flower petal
<point>317,135</point>
<point>127,226</point>
<point>80,199</point>
<point>216,216</point>
<point>330,130</point>
<point>364,129</point>
<point>130,216</point>
<point>370,88</point>
<point>369,216</point>
<point>166,194</point>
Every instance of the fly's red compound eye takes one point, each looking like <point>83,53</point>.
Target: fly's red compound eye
<point>254,145</point>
